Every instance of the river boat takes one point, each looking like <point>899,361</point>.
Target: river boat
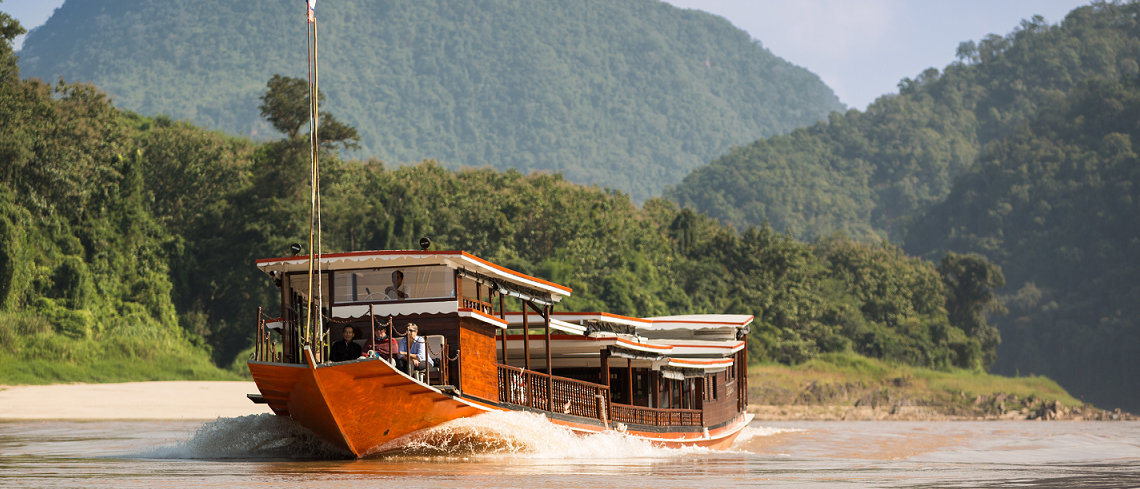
<point>497,345</point>
<point>493,340</point>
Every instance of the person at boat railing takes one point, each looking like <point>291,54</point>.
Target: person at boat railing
<point>345,349</point>
<point>417,354</point>
<point>396,291</point>
<point>381,345</point>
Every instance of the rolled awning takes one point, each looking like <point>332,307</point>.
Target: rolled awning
<point>619,352</point>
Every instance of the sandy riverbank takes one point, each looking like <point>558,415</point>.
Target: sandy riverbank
<point>131,400</point>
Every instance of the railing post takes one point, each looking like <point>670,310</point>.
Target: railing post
<point>526,336</point>
<point>549,366</point>
<point>408,364</point>
<point>501,339</point>
<point>601,401</point>
<point>390,340</point>
<point>259,347</point>
<point>371,325</point>
<point>629,380</point>
<point>459,288</point>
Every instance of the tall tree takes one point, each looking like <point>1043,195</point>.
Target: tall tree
<point>285,105</point>
<point>970,282</point>
<point>9,29</point>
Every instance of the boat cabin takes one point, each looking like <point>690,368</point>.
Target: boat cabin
<point>495,338</point>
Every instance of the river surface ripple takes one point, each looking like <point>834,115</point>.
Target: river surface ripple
<point>522,450</point>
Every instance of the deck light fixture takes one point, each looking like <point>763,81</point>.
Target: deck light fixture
<point>295,248</point>
<point>425,243</point>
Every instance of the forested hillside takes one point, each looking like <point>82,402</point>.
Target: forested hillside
<point>1032,131</point>
<point>129,242</point>
<point>630,94</point>
<point>1057,203</point>
<point>85,292</point>
<point>869,172</point>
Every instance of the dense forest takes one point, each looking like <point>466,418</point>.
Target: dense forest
<point>629,94</point>
<point>1020,151</point>
<point>84,274</point>
<point>1057,203</point>
<point>129,240</point>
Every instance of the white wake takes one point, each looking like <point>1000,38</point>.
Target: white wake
<point>257,436</point>
<point>495,434</point>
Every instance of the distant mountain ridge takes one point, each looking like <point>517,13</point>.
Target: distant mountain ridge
<point>867,173</point>
<point>629,94</point>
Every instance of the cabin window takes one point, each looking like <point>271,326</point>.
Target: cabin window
<point>477,296</point>
<point>299,288</point>
<point>473,290</point>
<point>394,284</point>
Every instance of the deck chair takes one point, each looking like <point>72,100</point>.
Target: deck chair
<point>437,351</point>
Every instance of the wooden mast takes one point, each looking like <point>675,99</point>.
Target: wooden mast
<point>313,335</point>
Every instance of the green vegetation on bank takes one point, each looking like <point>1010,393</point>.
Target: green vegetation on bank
<point>851,381</point>
<point>84,288</point>
<point>130,368</point>
<point>630,94</point>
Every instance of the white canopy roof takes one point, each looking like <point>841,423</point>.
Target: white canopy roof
<point>400,258</point>
<point>696,336</point>
<point>696,326</point>
<point>698,321</point>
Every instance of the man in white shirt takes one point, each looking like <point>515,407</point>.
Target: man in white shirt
<point>396,291</point>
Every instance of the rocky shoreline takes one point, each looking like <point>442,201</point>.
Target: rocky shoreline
<point>925,413</point>
<point>857,401</point>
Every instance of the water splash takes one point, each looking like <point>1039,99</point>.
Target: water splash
<point>756,431</point>
<point>526,434</point>
<point>494,434</point>
<point>257,436</point>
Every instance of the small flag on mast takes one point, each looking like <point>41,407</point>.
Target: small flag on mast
<point>312,7</point>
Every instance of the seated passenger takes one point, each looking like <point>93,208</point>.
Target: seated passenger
<point>382,345</point>
<point>345,349</point>
<point>417,353</point>
<point>396,291</point>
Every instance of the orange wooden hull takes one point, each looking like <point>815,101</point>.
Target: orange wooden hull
<point>362,405</point>
<point>717,439</point>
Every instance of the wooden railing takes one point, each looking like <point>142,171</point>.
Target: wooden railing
<point>557,394</point>
<point>477,305</point>
<point>624,413</point>
<point>264,346</point>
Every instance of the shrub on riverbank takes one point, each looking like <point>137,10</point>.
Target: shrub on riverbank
<point>839,384</point>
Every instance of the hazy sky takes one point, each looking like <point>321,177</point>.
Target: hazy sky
<point>860,48</point>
